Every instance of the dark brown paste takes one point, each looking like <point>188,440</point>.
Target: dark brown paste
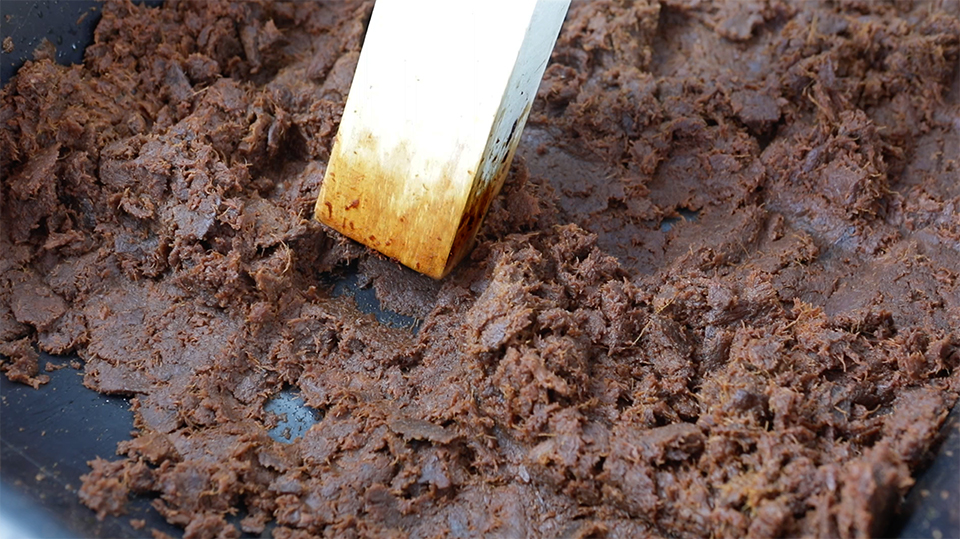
<point>718,296</point>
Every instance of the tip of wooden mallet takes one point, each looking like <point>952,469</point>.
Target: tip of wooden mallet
<point>441,93</point>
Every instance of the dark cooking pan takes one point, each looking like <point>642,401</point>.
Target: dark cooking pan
<point>48,435</point>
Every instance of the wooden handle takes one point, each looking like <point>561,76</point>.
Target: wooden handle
<point>439,99</point>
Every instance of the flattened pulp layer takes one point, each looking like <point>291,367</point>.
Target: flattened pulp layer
<point>777,365</point>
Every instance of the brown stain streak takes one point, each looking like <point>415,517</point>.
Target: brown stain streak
<point>480,198</point>
<point>398,217</point>
<point>428,229</point>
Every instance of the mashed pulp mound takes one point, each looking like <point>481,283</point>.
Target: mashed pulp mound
<point>774,363</point>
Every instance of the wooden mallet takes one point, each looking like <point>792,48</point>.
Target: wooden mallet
<point>441,93</point>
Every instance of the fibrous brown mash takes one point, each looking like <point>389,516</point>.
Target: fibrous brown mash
<point>775,365</point>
